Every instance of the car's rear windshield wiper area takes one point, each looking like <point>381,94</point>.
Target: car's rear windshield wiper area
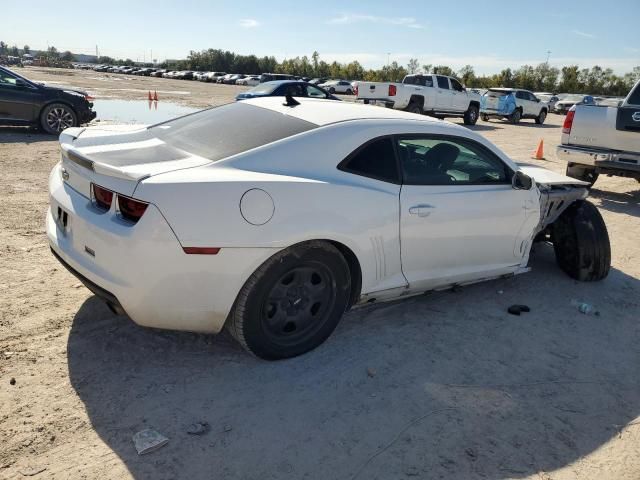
<point>221,132</point>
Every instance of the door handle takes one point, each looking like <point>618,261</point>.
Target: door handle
<point>423,210</point>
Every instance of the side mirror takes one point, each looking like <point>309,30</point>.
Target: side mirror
<point>20,83</point>
<point>521,181</point>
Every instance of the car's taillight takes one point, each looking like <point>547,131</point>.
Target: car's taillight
<point>130,208</point>
<point>568,121</point>
<point>392,90</point>
<point>102,197</point>
<point>355,90</point>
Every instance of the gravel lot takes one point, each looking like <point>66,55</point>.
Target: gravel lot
<point>446,385</point>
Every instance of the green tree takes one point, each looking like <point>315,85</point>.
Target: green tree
<point>67,56</point>
<point>14,51</point>
<point>467,75</point>
<point>413,66</point>
<point>3,48</point>
<point>26,49</point>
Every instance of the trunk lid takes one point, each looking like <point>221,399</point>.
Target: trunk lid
<point>117,157</point>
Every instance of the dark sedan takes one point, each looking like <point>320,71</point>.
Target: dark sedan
<point>23,102</point>
<point>282,88</point>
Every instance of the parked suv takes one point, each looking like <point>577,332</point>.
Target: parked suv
<point>23,102</point>
<point>513,104</point>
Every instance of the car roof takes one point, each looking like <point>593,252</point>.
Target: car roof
<point>324,112</point>
<point>281,82</point>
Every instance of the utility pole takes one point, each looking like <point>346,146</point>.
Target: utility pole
<point>97,55</point>
<point>548,55</point>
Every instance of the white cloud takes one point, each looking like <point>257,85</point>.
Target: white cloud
<point>249,23</point>
<point>351,18</point>
<point>580,33</point>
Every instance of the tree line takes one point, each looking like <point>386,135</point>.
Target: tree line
<point>542,77</point>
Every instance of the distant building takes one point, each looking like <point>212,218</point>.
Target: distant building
<point>83,58</point>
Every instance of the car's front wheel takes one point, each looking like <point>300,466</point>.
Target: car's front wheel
<point>581,242</point>
<point>56,117</point>
<point>541,117</point>
<point>293,302</point>
<point>471,115</point>
<point>332,90</point>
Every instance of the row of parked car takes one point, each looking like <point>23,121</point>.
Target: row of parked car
<point>332,86</point>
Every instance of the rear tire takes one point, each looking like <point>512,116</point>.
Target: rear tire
<point>55,117</point>
<point>515,117</point>
<point>581,242</point>
<point>415,108</point>
<point>541,118</point>
<point>349,92</point>
<point>585,174</point>
<point>471,115</point>
<point>485,117</point>
<point>292,302</point>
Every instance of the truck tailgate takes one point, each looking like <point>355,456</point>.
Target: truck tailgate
<point>595,126</point>
<point>374,90</point>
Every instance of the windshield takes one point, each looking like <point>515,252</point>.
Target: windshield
<point>220,132</point>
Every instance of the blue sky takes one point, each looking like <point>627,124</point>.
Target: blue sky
<point>490,36</point>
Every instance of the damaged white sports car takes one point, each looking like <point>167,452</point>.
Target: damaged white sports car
<point>273,219</point>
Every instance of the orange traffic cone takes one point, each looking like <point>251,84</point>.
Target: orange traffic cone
<point>539,153</point>
<point>155,96</point>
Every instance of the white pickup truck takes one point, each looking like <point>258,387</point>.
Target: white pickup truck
<point>432,94</point>
<point>598,139</point>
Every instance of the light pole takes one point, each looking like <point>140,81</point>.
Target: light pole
<point>388,57</point>
<point>548,54</point>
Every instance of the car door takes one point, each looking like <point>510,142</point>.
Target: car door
<point>534,104</point>
<point>18,99</point>
<point>522,99</point>
<point>459,100</point>
<point>460,218</point>
<point>443,94</point>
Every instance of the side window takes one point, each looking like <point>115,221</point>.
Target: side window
<point>376,159</point>
<point>443,82</point>
<point>427,81</point>
<point>314,92</point>
<point>7,79</point>
<point>295,90</point>
<point>456,85</point>
<point>450,161</point>
<point>532,97</point>
<point>521,95</point>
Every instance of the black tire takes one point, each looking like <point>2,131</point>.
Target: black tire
<point>471,115</point>
<point>542,117</point>
<point>585,174</point>
<point>274,316</point>
<point>581,242</point>
<point>485,117</point>
<point>55,117</point>
<point>516,116</point>
<point>414,108</point>
<point>332,90</point>
<point>349,92</point>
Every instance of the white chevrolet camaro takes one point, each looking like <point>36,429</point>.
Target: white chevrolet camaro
<point>272,219</point>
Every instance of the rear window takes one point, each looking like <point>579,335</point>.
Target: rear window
<point>634,98</point>
<point>375,159</point>
<point>220,132</point>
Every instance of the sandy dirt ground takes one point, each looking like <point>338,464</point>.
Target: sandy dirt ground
<point>446,385</point>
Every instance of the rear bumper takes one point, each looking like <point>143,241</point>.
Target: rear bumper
<point>385,102</point>
<point>605,161</point>
<point>141,269</point>
<point>492,112</point>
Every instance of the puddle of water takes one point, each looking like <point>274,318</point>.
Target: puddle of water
<point>138,111</point>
